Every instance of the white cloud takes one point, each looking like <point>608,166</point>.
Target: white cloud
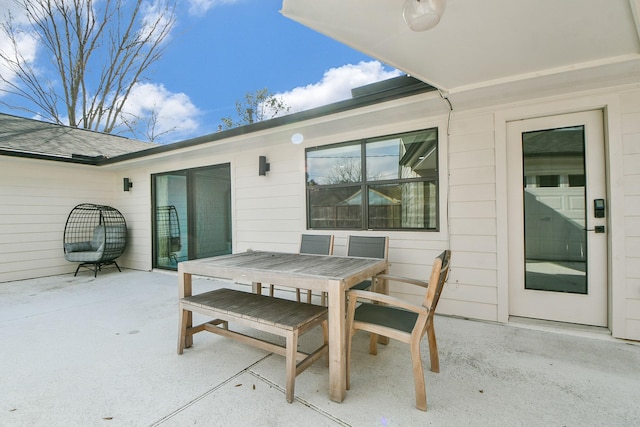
<point>175,113</point>
<point>336,85</point>
<point>27,46</point>
<point>17,12</point>
<point>157,20</point>
<point>201,7</point>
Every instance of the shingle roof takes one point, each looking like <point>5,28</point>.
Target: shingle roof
<point>33,137</point>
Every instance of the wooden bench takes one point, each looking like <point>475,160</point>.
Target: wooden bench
<point>278,316</point>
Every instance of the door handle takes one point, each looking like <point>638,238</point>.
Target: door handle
<point>598,229</point>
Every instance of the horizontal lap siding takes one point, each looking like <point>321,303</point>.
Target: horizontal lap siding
<point>472,287</point>
<point>35,200</point>
<point>630,103</point>
<point>135,205</point>
<point>270,210</point>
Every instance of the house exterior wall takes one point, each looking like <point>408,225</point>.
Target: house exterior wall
<point>35,199</point>
<point>268,212</point>
<point>630,109</point>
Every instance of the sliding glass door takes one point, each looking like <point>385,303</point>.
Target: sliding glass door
<point>192,215</point>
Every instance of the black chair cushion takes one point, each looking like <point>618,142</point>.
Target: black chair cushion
<point>383,315</point>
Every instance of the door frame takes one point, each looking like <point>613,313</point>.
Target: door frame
<point>587,309</point>
<point>609,102</point>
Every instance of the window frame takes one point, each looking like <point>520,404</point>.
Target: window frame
<point>365,184</point>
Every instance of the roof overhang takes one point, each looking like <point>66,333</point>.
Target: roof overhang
<point>511,47</point>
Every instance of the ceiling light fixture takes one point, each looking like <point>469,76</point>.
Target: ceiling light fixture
<point>423,15</point>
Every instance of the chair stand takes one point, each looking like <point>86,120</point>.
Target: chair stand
<point>96,266</point>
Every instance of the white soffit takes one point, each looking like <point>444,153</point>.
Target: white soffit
<point>482,43</point>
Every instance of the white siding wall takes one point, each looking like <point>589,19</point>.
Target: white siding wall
<point>269,211</point>
<point>135,205</point>
<point>35,199</point>
<point>472,212</point>
<point>630,106</point>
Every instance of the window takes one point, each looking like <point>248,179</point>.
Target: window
<point>386,183</point>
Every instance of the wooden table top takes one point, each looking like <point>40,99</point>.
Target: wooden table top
<point>327,267</point>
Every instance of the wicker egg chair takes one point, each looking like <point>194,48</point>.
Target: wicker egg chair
<point>94,236</point>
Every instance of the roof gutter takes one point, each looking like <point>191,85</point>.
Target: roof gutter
<point>76,158</point>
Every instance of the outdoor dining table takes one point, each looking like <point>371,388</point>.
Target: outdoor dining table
<point>331,274</point>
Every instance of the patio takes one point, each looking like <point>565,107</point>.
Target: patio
<point>79,351</point>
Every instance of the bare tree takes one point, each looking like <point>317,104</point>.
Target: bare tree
<point>150,125</point>
<point>256,107</point>
<point>99,50</point>
<point>345,171</point>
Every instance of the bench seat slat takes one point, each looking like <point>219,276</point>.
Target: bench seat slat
<point>285,314</point>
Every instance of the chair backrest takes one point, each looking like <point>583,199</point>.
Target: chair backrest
<point>368,246</point>
<point>97,242</point>
<point>316,244</point>
<point>439,275</point>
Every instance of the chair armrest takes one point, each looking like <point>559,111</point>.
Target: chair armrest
<point>386,299</point>
<point>403,280</point>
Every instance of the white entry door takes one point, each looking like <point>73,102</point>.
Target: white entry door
<point>557,218</point>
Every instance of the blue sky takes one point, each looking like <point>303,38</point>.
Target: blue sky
<point>222,49</point>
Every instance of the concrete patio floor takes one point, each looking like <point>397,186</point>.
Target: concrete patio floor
<point>79,351</point>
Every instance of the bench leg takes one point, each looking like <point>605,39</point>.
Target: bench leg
<point>184,322</point>
<point>325,338</point>
<point>291,352</point>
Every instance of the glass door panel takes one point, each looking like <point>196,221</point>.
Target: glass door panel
<point>554,210</point>
<point>171,237</point>
<point>211,212</point>
<point>192,215</point>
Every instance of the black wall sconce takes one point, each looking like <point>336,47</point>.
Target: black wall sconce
<point>126,184</point>
<point>263,166</point>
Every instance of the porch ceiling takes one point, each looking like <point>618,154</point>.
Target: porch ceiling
<point>518,46</point>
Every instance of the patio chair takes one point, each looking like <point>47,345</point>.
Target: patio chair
<point>401,320</point>
<point>315,244</point>
<point>368,247</point>
<point>94,236</point>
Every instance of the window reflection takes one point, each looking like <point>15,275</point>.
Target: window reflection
<point>336,165</point>
<point>554,210</point>
<point>409,156</point>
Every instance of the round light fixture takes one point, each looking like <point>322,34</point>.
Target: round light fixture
<point>423,15</point>
<point>297,138</point>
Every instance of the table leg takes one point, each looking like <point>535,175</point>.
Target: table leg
<point>185,289</point>
<point>337,336</point>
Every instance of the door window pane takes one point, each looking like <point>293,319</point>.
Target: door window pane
<point>171,240</point>
<point>212,211</point>
<point>554,213</point>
